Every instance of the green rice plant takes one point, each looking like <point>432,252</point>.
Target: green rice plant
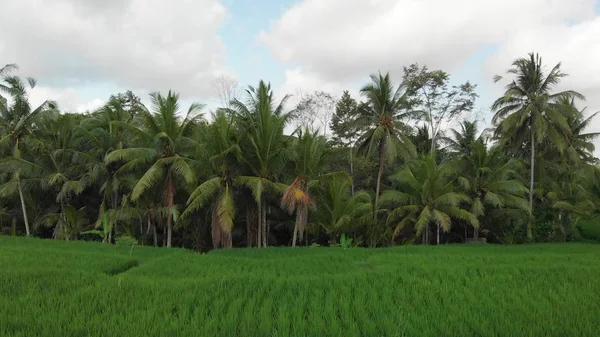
<point>57,288</point>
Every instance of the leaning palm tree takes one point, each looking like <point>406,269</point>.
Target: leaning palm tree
<point>308,165</point>
<point>427,194</point>
<point>222,152</point>
<point>529,111</point>
<point>17,118</point>
<point>261,123</point>
<point>164,138</point>
<point>491,181</point>
<point>385,114</point>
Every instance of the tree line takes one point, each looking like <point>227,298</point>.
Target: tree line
<point>402,164</point>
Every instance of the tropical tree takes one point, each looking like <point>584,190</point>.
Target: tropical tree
<point>462,141</point>
<point>164,141</point>
<point>580,146</point>
<point>426,194</point>
<point>385,115</point>
<point>434,100</point>
<point>222,151</point>
<point>530,110</point>
<point>263,144</point>
<point>17,119</point>
<point>337,210</point>
<point>491,181</point>
<point>310,149</point>
<point>52,164</point>
<point>98,135</point>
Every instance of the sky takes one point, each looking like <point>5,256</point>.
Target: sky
<point>82,51</point>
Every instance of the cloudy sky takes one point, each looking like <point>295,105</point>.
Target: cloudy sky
<point>81,51</point>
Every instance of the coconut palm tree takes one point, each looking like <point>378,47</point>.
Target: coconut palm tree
<point>427,194</point>
<point>221,150</point>
<point>529,111</point>
<point>164,139</point>
<point>17,118</point>
<point>310,147</point>
<point>265,148</point>
<point>580,146</point>
<point>384,115</point>
<point>338,211</point>
<point>462,141</point>
<point>98,135</point>
<point>52,164</point>
<point>491,181</point>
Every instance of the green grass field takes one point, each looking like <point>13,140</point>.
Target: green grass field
<point>61,289</point>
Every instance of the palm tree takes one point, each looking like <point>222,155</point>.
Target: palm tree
<point>308,165</point>
<point>386,110</point>
<point>52,164</point>
<point>97,135</point>
<point>164,139</point>
<point>491,181</point>
<point>17,119</point>
<point>263,144</point>
<point>339,211</point>
<point>7,69</point>
<point>463,140</point>
<point>222,152</point>
<point>580,146</point>
<point>530,110</point>
<point>427,194</point>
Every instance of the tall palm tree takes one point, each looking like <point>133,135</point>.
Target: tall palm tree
<point>529,110</point>
<point>17,119</point>
<point>164,139</point>
<point>427,194</point>
<point>308,165</point>
<point>265,147</point>
<point>385,113</point>
<point>490,179</point>
<point>222,152</point>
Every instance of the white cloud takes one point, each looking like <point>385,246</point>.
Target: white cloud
<point>298,82</point>
<point>342,39</point>
<point>138,44</point>
<point>336,42</point>
<point>68,99</point>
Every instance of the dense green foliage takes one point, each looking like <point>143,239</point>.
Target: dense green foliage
<point>389,172</point>
<point>66,289</point>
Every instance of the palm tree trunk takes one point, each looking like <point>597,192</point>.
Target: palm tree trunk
<point>25,219</point>
<point>438,233</point>
<point>264,225</point>
<point>379,176</point>
<point>259,225</point>
<point>351,172</point>
<point>295,236</point>
<point>170,197</point>
<point>531,178</point>
<point>154,236</point>
<point>248,233</point>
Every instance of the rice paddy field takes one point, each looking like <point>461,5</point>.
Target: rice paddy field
<point>50,288</point>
